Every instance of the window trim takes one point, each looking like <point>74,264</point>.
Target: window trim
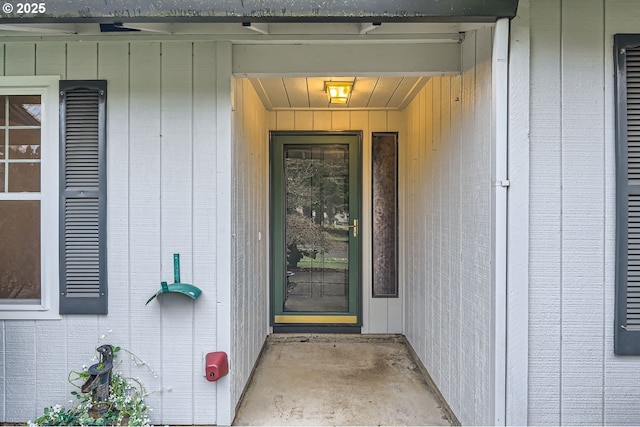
<point>48,306</point>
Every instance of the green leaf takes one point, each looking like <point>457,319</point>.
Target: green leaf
<point>127,403</point>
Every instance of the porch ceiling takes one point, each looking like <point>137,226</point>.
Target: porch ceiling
<point>281,93</point>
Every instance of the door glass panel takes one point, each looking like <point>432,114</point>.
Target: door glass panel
<point>316,180</point>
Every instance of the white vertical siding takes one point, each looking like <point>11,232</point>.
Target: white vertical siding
<point>621,374</point>
<point>454,151</point>
<point>582,212</point>
<point>176,219</point>
<point>161,200</point>
<point>574,377</point>
<point>51,58</point>
<point>545,223</point>
<point>20,59</point>
<point>446,232</point>
<point>250,279</point>
<point>111,58</point>
<point>224,223</point>
<point>204,275</point>
<point>380,315</point>
<point>144,209</point>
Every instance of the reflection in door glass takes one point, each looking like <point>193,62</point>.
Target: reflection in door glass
<point>316,228</point>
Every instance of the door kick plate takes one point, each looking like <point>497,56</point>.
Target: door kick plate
<point>315,319</point>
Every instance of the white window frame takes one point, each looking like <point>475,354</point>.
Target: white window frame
<point>47,88</point>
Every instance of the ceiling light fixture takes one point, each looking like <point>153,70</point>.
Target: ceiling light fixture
<point>338,92</point>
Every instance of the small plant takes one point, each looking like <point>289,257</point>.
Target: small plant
<point>125,405</point>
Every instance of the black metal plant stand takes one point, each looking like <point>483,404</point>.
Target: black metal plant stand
<point>99,382</point>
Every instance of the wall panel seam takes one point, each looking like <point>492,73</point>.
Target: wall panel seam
<point>561,201</point>
<point>604,214</point>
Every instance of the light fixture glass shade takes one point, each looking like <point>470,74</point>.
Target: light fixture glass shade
<point>338,92</point>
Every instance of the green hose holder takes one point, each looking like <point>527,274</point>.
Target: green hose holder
<point>191,291</point>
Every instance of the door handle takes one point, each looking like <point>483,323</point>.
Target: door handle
<point>355,227</point>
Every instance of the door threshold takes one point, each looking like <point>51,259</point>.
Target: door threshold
<point>316,329</point>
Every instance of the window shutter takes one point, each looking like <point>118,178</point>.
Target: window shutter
<point>627,303</point>
<point>83,273</point>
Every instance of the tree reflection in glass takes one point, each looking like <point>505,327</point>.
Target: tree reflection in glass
<point>316,233</point>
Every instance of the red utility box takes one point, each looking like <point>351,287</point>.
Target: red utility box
<point>216,365</point>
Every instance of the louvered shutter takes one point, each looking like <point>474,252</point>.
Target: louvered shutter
<point>627,303</point>
<point>83,273</point>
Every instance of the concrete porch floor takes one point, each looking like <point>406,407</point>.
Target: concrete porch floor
<point>339,380</point>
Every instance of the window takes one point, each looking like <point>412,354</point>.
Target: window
<point>384,192</point>
<point>52,197</point>
<point>28,197</point>
<point>627,306</point>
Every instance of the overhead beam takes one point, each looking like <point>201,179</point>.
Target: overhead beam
<point>261,11</point>
<point>254,60</point>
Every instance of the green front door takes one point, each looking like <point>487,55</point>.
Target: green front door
<point>315,187</point>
